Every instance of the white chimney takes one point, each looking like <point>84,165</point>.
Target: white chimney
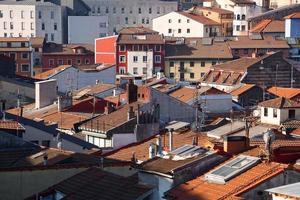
<point>159,146</point>
<point>171,139</point>
<point>151,151</point>
<point>45,93</point>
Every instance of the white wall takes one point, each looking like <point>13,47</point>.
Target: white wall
<point>73,79</point>
<point>30,25</point>
<point>123,139</point>
<point>226,4</point>
<point>162,25</point>
<point>89,30</point>
<point>282,116</point>
<point>140,64</point>
<point>45,93</point>
<point>117,19</point>
<point>216,103</point>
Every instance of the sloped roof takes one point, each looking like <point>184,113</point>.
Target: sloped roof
<point>10,125</point>
<point>244,42</point>
<point>280,103</point>
<point>284,92</point>
<point>269,26</point>
<point>291,190</point>
<point>199,18</point>
<point>47,74</point>
<point>242,89</point>
<point>293,16</point>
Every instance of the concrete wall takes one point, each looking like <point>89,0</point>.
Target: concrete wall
<point>91,27</point>
<point>16,185</point>
<point>171,108</point>
<point>45,93</point>
<point>282,116</point>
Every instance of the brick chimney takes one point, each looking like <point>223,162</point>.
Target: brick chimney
<point>131,90</point>
<point>235,144</point>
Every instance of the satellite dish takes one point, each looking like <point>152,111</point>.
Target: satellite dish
<point>256,113</point>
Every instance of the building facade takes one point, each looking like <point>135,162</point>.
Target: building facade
<point>91,27</point>
<point>31,19</point>
<point>186,24</point>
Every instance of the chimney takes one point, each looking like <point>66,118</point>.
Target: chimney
<point>45,93</point>
<point>131,92</point>
<point>21,111</point>
<point>171,139</point>
<point>254,55</point>
<point>130,113</point>
<point>45,162</point>
<point>97,82</point>
<point>159,146</point>
<point>235,144</point>
<point>133,158</point>
<point>247,132</point>
<point>138,117</point>
<point>195,141</point>
<point>151,151</point>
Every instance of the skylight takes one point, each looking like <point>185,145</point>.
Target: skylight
<point>231,169</point>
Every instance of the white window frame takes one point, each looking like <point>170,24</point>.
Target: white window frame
<point>157,58</point>
<point>122,61</point>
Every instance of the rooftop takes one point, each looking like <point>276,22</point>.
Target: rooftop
<point>196,48</point>
<point>10,125</point>
<point>199,18</point>
<point>280,103</point>
<point>215,9</point>
<point>269,26</point>
<point>68,49</point>
<point>293,16</point>
<point>244,42</point>
<point>244,88</point>
<point>201,189</point>
<point>93,90</point>
<point>291,190</point>
<point>95,183</point>
<point>288,93</point>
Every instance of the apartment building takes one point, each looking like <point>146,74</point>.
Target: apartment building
<point>31,19</point>
<point>130,12</point>
<point>21,51</point>
<point>186,24</point>
<point>280,3</point>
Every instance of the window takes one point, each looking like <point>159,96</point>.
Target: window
<point>150,10</point>
<point>202,64</point>
<point>126,20</point>
<point>46,36</point>
<point>22,14</point>
<point>188,30</point>
<point>274,112</point>
<point>157,59</point>
<point>266,112</point>
<point>52,37</point>
<point>52,14</point>
<point>99,10</point>
<point>213,62</point>
<point>11,14</point>
<point>55,26</point>
<point>143,20</point>
<point>140,11</point>
<point>122,10</point>
<point>114,10</point>
<point>1,14</point>
<point>46,143</point>
<point>179,30</point>
<point>245,51</point>
<point>238,28</point>
<point>25,68</point>
<point>192,75</point>
<point>5,34</point>
<point>122,48</point>
<point>135,47</point>
<point>169,30</point>
<point>11,26</point>
<point>202,74</point>
<point>31,14</point>
<point>122,59</point>
<point>181,76</point>
<point>171,75</point>
<point>87,61</point>
<point>60,62</point>
<point>158,10</point>
<point>69,62</point>
<point>144,70</point>
<point>292,114</point>
<point>135,59</point>
<point>238,17</point>
<point>179,20</point>
<point>243,27</point>
<point>170,21</point>
<point>135,70</point>
<point>192,64</point>
<point>20,34</point>
<point>144,58</point>
<point>122,70</point>
<point>78,61</point>
<point>145,48</point>
<point>43,26</point>
<point>171,64</point>
<point>106,10</point>
<point>51,62</point>
<point>40,15</point>
<point>157,48</point>
<point>243,17</point>
<point>4,25</point>
<point>102,24</point>
<point>31,26</point>
<point>25,56</point>
<point>188,21</point>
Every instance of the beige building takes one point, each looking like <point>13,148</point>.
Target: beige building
<point>279,3</point>
<point>190,59</point>
<point>222,16</point>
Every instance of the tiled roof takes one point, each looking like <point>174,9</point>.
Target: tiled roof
<point>293,16</point>
<point>186,94</point>
<point>201,189</point>
<point>68,49</point>
<point>141,149</point>
<point>280,103</point>
<point>14,39</point>
<point>95,183</point>
<point>193,48</point>
<point>132,39</point>
<point>37,42</point>
<point>242,89</point>
<point>200,18</point>
<point>284,92</point>
<point>296,132</point>
<point>51,72</point>
<point>244,42</point>
<point>92,90</point>
<point>223,77</point>
<point>215,9</point>
<point>269,26</point>
<point>137,30</point>
<point>10,125</point>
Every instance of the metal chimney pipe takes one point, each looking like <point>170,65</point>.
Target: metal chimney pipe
<point>171,139</point>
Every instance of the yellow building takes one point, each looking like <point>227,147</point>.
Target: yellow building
<point>222,16</point>
<point>192,58</point>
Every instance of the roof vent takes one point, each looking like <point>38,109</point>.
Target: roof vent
<point>186,151</point>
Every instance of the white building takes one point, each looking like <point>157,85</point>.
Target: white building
<point>130,13</point>
<point>279,110</point>
<point>186,24</point>
<point>91,27</point>
<point>140,63</point>
<point>280,3</point>
<point>242,12</point>
<point>31,19</point>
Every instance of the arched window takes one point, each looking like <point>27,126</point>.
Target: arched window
<point>238,17</point>
<point>243,17</point>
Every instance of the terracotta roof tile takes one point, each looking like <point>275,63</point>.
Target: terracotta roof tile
<point>280,103</point>
<point>51,72</point>
<point>284,92</point>
<point>11,125</point>
<point>200,18</point>
<point>242,89</point>
<point>293,16</point>
<point>141,149</point>
<point>269,26</point>
<point>244,42</point>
